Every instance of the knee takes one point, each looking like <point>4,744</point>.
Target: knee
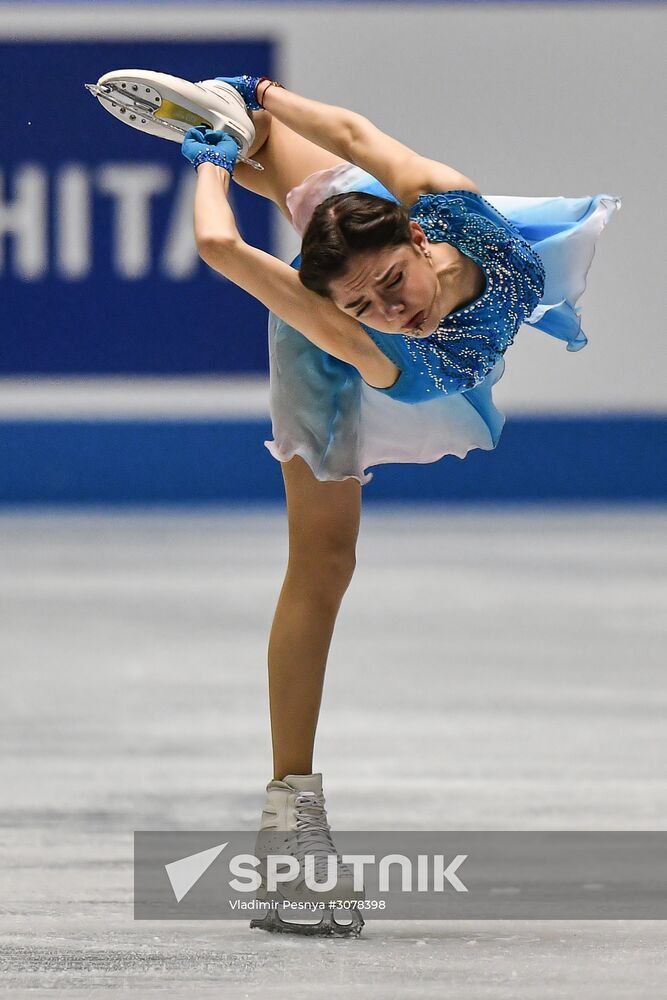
<point>336,567</point>
<point>328,570</point>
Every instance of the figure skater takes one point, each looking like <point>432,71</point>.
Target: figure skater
<point>386,336</point>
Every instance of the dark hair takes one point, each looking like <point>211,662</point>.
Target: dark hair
<point>342,225</point>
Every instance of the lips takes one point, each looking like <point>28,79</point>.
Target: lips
<point>416,320</point>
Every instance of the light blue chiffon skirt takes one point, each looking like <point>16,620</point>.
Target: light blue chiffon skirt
<point>322,410</point>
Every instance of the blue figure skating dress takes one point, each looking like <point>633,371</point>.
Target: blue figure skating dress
<point>535,254</point>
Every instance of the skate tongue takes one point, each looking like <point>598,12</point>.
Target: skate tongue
<point>304,782</point>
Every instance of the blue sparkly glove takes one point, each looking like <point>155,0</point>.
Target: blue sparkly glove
<point>202,145</point>
<point>246,86</point>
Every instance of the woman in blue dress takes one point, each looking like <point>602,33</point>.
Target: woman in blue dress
<point>385,338</point>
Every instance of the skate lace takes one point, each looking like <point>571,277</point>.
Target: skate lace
<point>314,833</point>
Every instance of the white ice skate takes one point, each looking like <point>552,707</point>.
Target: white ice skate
<point>167,106</point>
<point>294,822</point>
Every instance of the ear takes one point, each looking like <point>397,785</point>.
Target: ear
<point>419,238</point>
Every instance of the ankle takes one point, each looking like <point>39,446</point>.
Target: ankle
<point>280,773</point>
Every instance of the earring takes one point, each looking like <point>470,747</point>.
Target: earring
<point>427,253</point>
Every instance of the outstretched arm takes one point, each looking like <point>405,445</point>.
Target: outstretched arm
<point>277,285</point>
<point>354,138</point>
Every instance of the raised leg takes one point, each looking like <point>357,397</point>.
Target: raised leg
<point>323,522</point>
<point>287,159</point>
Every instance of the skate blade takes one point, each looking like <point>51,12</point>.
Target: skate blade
<point>328,926</point>
<point>142,101</point>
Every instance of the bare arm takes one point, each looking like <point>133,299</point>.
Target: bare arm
<point>277,285</point>
<point>354,138</point>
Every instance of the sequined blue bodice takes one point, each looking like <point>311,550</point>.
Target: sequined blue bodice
<point>468,343</point>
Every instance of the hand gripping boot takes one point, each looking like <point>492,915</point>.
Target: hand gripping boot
<point>167,106</point>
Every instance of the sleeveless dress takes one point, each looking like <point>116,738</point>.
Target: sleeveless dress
<point>535,254</point>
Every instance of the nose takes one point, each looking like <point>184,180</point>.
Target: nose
<point>391,310</point>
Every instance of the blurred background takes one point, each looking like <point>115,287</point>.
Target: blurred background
<point>122,378</point>
<point>498,662</point>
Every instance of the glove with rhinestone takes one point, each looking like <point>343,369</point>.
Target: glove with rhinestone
<point>202,145</point>
<point>246,87</point>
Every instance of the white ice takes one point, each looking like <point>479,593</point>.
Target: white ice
<point>491,669</point>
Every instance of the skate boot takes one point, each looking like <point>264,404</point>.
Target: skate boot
<point>167,106</point>
<point>294,823</point>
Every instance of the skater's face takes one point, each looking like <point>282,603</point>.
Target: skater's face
<point>393,290</point>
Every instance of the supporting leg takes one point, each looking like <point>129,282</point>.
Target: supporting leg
<point>323,528</point>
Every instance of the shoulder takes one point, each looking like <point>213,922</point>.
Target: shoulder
<point>428,177</point>
<point>460,199</point>
<point>445,210</point>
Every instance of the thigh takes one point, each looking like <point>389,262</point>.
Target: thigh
<point>323,517</point>
<point>287,159</point>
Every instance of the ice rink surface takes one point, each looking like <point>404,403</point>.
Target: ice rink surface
<point>491,669</point>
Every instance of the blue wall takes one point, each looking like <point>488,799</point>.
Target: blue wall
<point>555,458</point>
<point>98,317</point>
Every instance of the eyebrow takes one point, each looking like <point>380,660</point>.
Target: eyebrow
<point>382,278</point>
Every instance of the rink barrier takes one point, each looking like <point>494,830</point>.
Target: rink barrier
<point>617,458</point>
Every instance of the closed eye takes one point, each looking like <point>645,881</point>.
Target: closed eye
<point>390,285</point>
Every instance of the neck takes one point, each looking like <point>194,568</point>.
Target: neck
<point>461,280</point>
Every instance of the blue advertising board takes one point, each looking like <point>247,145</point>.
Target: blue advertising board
<point>98,269</point>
